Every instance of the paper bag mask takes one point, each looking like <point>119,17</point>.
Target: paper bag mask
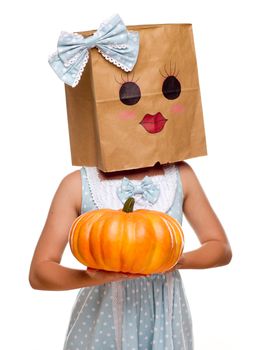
<point>120,121</point>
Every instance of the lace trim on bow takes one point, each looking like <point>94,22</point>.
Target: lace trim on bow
<point>74,59</point>
<point>112,60</point>
<point>86,58</point>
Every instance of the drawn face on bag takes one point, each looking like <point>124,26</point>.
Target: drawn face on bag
<point>152,114</point>
<point>130,94</point>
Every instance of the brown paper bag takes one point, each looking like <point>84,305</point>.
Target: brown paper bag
<point>120,121</point>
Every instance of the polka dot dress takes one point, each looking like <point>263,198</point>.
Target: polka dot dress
<point>147,313</point>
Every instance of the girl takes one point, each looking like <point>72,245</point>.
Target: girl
<point>153,114</point>
<point>119,310</point>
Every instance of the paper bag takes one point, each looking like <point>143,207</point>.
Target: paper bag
<point>120,120</point>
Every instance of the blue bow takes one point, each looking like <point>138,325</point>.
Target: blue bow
<point>112,40</point>
<point>147,188</point>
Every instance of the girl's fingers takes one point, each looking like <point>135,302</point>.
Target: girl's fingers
<point>109,275</point>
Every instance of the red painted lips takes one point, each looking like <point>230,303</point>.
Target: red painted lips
<point>153,123</point>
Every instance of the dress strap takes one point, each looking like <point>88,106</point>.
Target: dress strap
<point>176,209</point>
<point>87,202</point>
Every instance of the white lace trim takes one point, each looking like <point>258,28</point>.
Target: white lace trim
<point>91,183</point>
<point>78,77</point>
<point>72,60</point>
<point>112,60</point>
<point>104,192</point>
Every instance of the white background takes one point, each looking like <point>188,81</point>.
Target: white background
<point>228,304</point>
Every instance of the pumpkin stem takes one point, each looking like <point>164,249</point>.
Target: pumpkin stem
<point>128,205</point>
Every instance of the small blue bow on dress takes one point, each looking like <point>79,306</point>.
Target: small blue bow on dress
<point>112,39</point>
<point>150,192</point>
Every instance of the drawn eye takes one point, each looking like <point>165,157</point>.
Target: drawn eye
<point>130,93</point>
<point>171,87</point>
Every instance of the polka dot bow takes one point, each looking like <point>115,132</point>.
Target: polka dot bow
<point>113,41</point>
<point>149,191</point>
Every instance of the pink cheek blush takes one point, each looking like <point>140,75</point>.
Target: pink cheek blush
<point>127,115</point>
<point>177,108</point>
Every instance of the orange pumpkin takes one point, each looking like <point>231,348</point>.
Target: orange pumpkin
<point>141,241</point>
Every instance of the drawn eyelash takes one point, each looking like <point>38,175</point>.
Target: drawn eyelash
<point>126,81</point>
<point>172,71</point>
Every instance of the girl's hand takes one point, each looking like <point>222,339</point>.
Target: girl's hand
<point>101,276</point>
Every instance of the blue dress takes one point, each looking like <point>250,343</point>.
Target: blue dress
<point>147,313</point>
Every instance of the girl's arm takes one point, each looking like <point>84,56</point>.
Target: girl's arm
<point>215,249</point>
<point>46,273</point>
